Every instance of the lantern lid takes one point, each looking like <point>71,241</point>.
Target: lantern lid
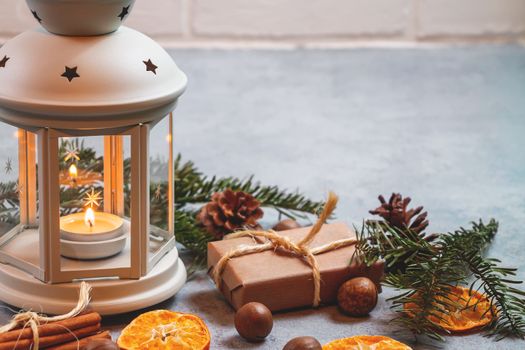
<point>80,17</point>
<point>48,80</point>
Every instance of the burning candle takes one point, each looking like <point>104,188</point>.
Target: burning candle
<point>89,218</point>
<point>91,226</point>
<point>73,172</point>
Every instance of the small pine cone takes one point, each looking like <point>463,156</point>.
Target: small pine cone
<point>229,211</point>
<point>395,213</point>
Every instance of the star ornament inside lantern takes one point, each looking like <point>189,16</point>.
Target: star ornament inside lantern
<point>92,199</point>
<point>71,154</point>
<point>158,192</point>
<point>8,166</point>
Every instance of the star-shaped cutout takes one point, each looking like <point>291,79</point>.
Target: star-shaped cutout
<point>92,199</point>
<point>36,16</point>
<point>70,73</point>
<point>71,154</point>
<point>150,66</point>
<point>8,166</point>
<point>3,62</point>
<point>124,13</point>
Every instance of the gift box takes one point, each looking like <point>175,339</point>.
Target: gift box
<point>282,280</point>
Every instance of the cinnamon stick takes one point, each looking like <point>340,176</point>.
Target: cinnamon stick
<point>75,345</point>
<point>48,329</point>
<point>45,342</point>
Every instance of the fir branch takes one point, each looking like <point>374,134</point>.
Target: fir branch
<point>193,237</point>
<point>508,301</point>
<point>490,277</point>
<point>8,195</point>
<point>432,268</point>
<point>377,240</point>
<point>192,187</point>
<point>9,203</point>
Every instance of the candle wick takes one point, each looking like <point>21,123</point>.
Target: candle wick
<point>90,223</point>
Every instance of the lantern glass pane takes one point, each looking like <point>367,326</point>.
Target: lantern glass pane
<point>19,233</point>
<point>95,204</point>
<point>81,174</point>
<point>160,159</point>
<point>126,170</point>
<point>9,179</point>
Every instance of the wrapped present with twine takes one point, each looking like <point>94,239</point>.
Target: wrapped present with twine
<point>290,269</point>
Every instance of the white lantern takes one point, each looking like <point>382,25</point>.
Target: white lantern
<point>90,194</point>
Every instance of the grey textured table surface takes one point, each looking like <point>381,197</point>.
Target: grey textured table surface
<point>444,126</point>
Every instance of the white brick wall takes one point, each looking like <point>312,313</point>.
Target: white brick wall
<point>161,20</point>
<point>471,17</point>
<point>299,18</point>
<point>309,22</point>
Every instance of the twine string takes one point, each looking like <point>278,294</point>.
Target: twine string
<point>34,319</point>
<point>275,241</point>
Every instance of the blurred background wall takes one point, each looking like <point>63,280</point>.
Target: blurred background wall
<point>277,23</point>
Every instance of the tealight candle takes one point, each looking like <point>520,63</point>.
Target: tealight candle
<point>91,226</point>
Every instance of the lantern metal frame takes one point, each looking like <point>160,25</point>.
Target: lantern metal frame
<point>41,147</point>
<point>50,270</point>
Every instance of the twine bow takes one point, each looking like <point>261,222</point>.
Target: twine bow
<point>300,249</point>
<point>33,319</point>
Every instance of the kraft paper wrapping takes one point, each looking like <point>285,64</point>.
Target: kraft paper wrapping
<point>283,281</point>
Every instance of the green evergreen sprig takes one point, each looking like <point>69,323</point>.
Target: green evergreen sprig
<point>431,269</point>
<point>193,188</point>
<point>9,203</point>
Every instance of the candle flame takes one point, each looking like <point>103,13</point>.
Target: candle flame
<point>73,171</point>
<point>89,218</point>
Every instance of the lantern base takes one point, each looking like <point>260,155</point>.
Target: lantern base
<point>109,296</point>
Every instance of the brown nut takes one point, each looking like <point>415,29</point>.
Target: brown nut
<point>303,343</point>
<point>358,296</point>
<point>287,224</point>
<point>100,344</point>
<point>254,322</point>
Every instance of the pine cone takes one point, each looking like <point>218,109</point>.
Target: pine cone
<point>229,211</point>
<point>395,213</point>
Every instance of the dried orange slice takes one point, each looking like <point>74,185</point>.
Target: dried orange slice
<point>462,311</point>
<point>366,342</point>
<point>165,330</point>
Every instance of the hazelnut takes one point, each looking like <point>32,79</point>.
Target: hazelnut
<point>254,322</point>
<point>358,296</point>
<point>100,344</point>
<point>287,224</point>
<point>303,343</point>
